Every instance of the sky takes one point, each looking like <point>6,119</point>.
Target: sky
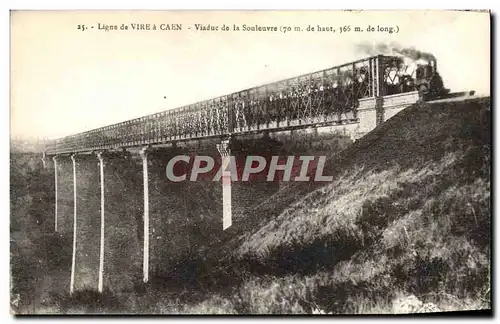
<point>65,80</point>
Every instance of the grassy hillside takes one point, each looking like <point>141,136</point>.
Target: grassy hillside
<point>403,227</point>
<point>408,214</point>
<point>424,155</point>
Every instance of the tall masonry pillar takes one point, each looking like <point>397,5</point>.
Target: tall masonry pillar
<point>145,263</point>
<point>225,152</point>
<point>101,249</point>
<point>73,259</point>
<point>55,192</point>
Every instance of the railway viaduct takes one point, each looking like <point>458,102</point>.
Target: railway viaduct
<point>118,235</point>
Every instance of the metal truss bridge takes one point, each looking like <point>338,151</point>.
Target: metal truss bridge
<point>326,97</point>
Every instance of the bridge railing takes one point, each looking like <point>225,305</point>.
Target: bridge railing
<point>327,96</point>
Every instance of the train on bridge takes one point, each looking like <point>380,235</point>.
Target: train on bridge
<point>325,97</point>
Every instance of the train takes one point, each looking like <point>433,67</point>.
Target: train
<point>335,92</point>
<point>424,78</point>
<point>331,96</point>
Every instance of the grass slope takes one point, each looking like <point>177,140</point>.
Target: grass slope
<point>408,213</point>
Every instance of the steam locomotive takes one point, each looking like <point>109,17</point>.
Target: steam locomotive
<point>424,78</point>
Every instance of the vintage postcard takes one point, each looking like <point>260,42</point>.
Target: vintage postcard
<point>250,162</point>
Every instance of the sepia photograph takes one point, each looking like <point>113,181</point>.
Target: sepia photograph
<point>182,162</point>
